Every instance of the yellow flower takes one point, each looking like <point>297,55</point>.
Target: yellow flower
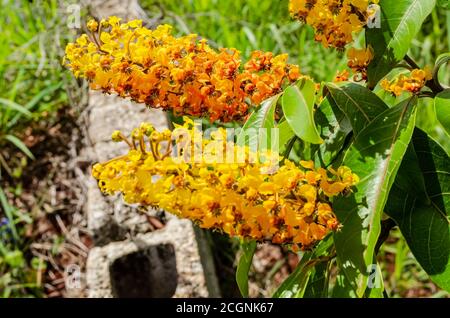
<point>116,136</point>
<point>404,83</point>
<point>92,25</point>
<point>234,198</point>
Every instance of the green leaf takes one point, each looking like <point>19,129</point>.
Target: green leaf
<point>442,105</point>
<point>298,109</point>
<point>20,145</point>
<point>401,20</point>
<point>358,103</point>
<point>334,127</point>
<point>440,61</point>
<point>375,287</point>
<point>420,204</point>
<point>342,287</point>
<point>445,4</point>
<point>317,286</point>
<point>285,134</point>
<point>375,157</point>
<point>245,261</point>
<point>254,133</point>
<point>294,286</point>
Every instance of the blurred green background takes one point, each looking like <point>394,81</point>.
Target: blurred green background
<point>35,90</point>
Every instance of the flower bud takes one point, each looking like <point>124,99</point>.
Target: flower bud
<point>117,136</point>
<point>92,25</point>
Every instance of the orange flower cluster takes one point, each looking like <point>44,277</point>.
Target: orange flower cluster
<point>182,74</point>
<point>290,205</point>
<point>334,21</point>
<point>404,83</point>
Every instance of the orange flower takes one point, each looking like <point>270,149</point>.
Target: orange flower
<point>359,60</point>
<point>403,83</point>
<point>183,74</point>
<point>334,21</point>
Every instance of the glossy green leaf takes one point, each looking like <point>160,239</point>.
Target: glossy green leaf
<point>442,105</point>
<point>294,286</point>
<point>334,127</point>
<point>260,120</point>
<point>317,286</point>
<point>358,103</point>
<point>400,22</point>
<point>342,287</point>
<point>298,108</point>
<point>285,134</point>
<point>375,286</point>
<point>245,261</point>
<point>375,289</point>
<point>375,156</point>
<point>420,204</point>
<point>441,60</point>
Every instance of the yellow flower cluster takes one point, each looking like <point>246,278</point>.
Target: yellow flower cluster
<point>404,83</point>
<point>290,205</point>
<point>181,74</point>
<point>334,21</point>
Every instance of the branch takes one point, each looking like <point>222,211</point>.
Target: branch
<point>386,227</point>
<point>411,62</point>
<point>289,147</point>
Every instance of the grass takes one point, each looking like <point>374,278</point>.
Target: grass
<point>32,90</point>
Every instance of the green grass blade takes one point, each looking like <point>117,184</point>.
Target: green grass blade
<point>20,145</point>
<point>9,104</point>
